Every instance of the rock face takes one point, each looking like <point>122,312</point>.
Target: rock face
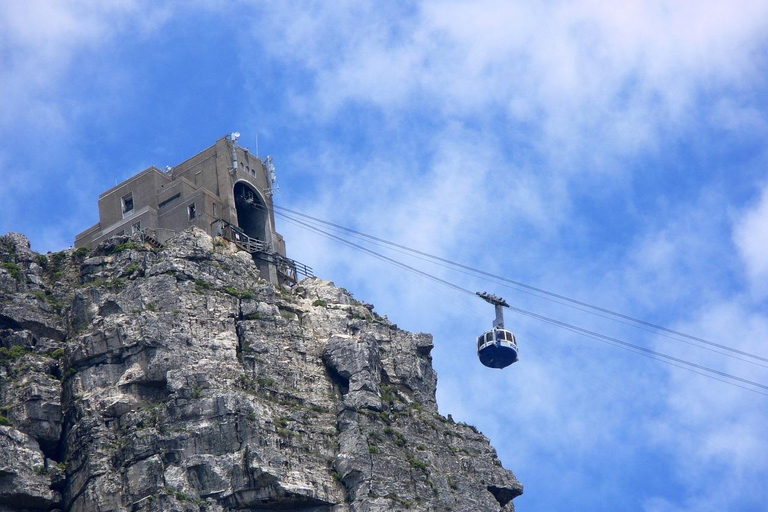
<point>177,379</point>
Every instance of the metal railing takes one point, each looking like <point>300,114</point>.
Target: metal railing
<point>291,268</point>
<point>239,238</point>
<point>286,267</point>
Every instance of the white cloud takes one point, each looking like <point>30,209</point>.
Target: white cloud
<point>751,238</point>
<point>42,41</point>
<point>52,50</point>
<point>591,72</point>
<point>714,432</point>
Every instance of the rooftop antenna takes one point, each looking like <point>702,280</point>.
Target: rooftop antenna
<point>272,176</point>
<point>233,139</point>
<point>257,145</point>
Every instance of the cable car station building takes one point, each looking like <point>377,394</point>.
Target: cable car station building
<point>224,190</point>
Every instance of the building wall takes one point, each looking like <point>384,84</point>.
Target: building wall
<point>143,187</point>
<point>161,200</point>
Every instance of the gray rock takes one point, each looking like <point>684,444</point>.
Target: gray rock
<point>184,381</point>
<point>24,483</point>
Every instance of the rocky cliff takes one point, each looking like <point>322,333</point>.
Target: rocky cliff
<point>177,379</point>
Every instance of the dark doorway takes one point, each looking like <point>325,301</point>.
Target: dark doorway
<point>252,215</point>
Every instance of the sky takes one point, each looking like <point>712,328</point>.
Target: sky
<point>612,152</point>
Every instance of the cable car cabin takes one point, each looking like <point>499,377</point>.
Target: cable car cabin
<point>497,348</point>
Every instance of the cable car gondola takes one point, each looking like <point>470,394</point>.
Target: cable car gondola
<point>497,348</point>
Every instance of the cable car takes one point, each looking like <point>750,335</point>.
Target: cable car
<point>497,348</point>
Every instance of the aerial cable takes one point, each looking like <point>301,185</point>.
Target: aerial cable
<point>384,258</point>
<point>714,350</point>
<point>653,354</point>
<point>529,287</point>
<point>641,350</point>
<point>650,356</point>
<point>295,221</point>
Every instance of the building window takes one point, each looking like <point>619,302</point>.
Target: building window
<point>136,228</point>
<point>213,210</point>
<point>191,211</point>
<point>127,203</point>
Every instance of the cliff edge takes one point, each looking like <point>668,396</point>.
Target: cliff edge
<point>176,379</point>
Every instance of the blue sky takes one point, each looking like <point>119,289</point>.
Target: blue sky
<point>610,151</point>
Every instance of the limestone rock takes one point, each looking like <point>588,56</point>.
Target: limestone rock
<point>23,480</point>
<point>135,378</point>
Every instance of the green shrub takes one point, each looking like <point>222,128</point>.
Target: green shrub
<point>5,422</point>
<point>42,260</point>
<point>399,439</point>
<point>13,269</point>
<point>238,293</point>
<point>14,352</point>
<point>116,284</point>
<point>321,303</point>
<point>417,464</point>
<point>182,496</point>
<point>265,381</point>
<point>57,353</point>
<point>47,297</point>
<point>125,246</point>
<point>7,245</point>
<point>245,382</point>
<point>202,285</point>
<point>387,395</point>
<point>81,253</point>
<point>58,258</point>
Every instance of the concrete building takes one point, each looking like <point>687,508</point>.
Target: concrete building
<point>223,190</point>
